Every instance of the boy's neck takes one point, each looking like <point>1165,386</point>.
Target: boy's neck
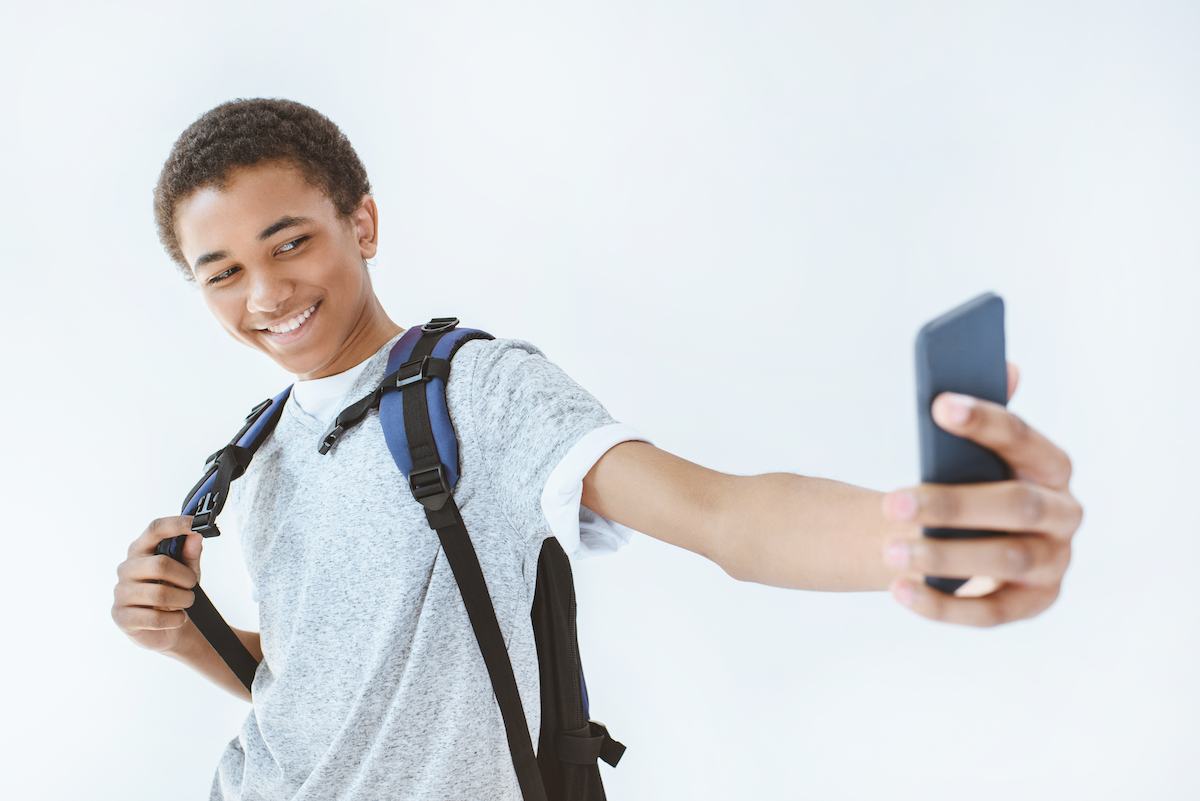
<point>374,331</point>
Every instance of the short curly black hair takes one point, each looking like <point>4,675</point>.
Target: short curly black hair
<point>245,132</point>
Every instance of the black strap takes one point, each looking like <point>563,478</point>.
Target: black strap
<point>221,637</point>
<point>422,447</point>
<point>464,563</point>
<point>228,464</point>
<point>416,371</point>
<point>584,746</point>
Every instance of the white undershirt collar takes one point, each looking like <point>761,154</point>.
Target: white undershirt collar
<point>322,397</point>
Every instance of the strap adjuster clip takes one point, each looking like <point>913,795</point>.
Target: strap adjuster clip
<point>430,487</point>
<point>204,521</point>
<point>331,436</point>
<point>259,409</point>
<point>414,372</point>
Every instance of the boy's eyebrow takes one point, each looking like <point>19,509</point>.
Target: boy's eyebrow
<point>209,258</point>
<point>280,224</point>
<point>268,232</point>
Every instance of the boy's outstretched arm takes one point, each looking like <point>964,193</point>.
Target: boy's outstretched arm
<point>810,533</point>
<point>152,593</point>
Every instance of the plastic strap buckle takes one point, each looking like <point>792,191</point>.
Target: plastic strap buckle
<point>348,418</point>
<point>226,464</point>
<point>439,324</point>
<point>430,487</point>
<point>204,521</point>
<point>331,436</point>
<point>414,372</point>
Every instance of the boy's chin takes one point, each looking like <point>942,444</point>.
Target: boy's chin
<point>300,361</point>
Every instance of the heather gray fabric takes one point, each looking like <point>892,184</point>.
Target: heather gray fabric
<point>372,685</point>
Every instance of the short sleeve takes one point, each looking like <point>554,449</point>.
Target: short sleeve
<point>537,433</point>
<point>581,531</point>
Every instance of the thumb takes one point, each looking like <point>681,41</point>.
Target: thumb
<point>192,547</point>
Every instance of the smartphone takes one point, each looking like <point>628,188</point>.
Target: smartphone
<point>961,351</point>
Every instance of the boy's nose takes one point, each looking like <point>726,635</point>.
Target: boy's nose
<point>268,293</point>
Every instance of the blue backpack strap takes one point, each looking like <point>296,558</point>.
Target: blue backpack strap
<point>419,433</point>
<point>391,406</point>
<point>206,500</point>
<point>420,436</point>
<point>204,503</point>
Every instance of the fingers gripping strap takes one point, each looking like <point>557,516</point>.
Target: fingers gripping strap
<point>259,424</point>
<point>226,465</point>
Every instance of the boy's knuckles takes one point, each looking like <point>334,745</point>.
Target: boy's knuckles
<point>164,568</point>
<point>124,571</point>
<point>161,566</point>
<point>1057,562</point>
<point>1058,469</point>
<point>162,595</point>
<point>1029,503</point>
<point>166,620</point>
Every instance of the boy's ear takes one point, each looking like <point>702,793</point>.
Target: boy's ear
<point>366,223</point>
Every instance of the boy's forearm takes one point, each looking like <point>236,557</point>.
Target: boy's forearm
<point>195,652</point>
<point>779,529</point>
<point>804,533</point>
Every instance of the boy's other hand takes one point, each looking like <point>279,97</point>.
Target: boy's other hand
<point>1036,505</point>
<point>153,590</point>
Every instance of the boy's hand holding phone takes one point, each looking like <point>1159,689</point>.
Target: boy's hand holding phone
<point>1035,508</point>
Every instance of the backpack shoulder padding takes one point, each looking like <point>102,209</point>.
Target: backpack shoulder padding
<point>391,405</point>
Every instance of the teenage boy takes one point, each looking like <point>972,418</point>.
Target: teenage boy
<point>371,684</point>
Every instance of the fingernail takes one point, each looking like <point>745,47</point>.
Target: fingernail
<point>902,505</point>
<point>904,592</point>
<point>958,407</point>
<point>897,554</point>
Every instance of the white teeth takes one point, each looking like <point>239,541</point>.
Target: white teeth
<point>292,324</point>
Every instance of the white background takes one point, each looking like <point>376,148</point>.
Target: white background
<point>725,219</point>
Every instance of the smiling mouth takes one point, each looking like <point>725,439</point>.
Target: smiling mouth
<point>291,324</point>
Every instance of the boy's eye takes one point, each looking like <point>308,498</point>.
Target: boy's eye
<point>295,243</point>
<point>221,276</point>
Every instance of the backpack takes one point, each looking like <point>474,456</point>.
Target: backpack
<point>420,436</point>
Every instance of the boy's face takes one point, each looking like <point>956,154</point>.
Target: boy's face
<point>281,270</point>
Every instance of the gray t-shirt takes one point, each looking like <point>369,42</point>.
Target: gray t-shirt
<point>372,685</point>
